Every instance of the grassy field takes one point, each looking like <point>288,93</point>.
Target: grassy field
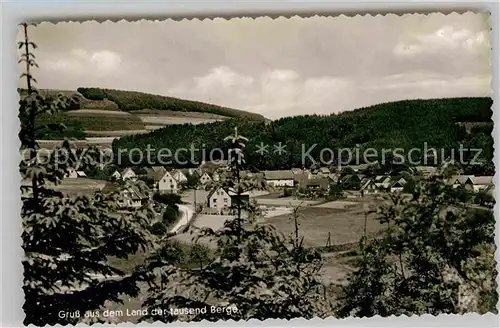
<point>112,134</point>
<point>171,113</point>
<point>344,225</point>
<point>96,121</point>
<point>285,201</point>
<point>75,186</point>
<point>99,104</point>
<point>101,121</point>
<point>338,204</point>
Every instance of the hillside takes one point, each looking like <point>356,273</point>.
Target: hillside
<point>132,100</point>
<point>113,113</point>
<point>403,124</point>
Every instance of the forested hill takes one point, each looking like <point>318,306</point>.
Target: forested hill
<point>403,124</point>
<point>133,100</point>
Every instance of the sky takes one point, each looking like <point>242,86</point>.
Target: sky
<point>275,67</point>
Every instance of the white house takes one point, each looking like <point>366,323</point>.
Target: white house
<point>167,183</point>
<point>128,174</point>
<point>132,198</point>
<point>179,176</point>
<point>397,186</point>
<point>461,180</point>
<point>205,178</point>
<point>480,183</point>
<point>73,174</point>
<point>219,198</point>
<point>283,178</point>
<point>116,175</point>
<point>369,187</point>
<point>382,181</point>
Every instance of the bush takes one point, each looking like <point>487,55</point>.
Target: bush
<point>436,256</point>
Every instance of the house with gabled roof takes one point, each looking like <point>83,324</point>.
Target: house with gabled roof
<point>368,187</point>
<point>179,176</point>
<point>317,184</point>
<point>128,174</point>
<point>155,173</point>
<point>116,175</point>
<point>279,178</point>
<point>73,174</point>
<point>480,183</point>
<point>224,198</point>
<point>398,185</point>
<point>382,181</point>
<point>218,198</point>
<point>167,184</point>
<point>205,178</point>
<point>132,198</point>
<point>460,180</point>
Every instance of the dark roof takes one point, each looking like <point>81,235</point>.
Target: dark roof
<point>210,194</point>
<point>321,183</point>
<point>155,172</point>
<point>135,193</point>
<point>482,180</point>
<point>110,187</point>
<point>278,175</point>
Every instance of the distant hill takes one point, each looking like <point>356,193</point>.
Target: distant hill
<point>132,100</point>
<point>105,112</point>
<point>402,124</point>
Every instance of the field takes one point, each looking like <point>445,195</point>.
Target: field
<point>74,186</point>
<point>344,225</point>
<point>285,201</point>
<point>106,120</point>
<point>156,119</point>
<point>103,117</point>
<point>338,204</point>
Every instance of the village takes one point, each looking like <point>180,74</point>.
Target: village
<point>204,202</point>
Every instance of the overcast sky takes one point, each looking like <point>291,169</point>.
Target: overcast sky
<point>276,67</point>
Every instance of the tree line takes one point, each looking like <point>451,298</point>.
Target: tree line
<point>133,100</point>
<point>404,124</point>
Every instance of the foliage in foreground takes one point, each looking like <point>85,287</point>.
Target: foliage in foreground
<point>437,256</point>
<point>68,239</point>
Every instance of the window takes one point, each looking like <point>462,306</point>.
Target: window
<point>215,200</point>
<point>225,200</point>
<point>171,186</point>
